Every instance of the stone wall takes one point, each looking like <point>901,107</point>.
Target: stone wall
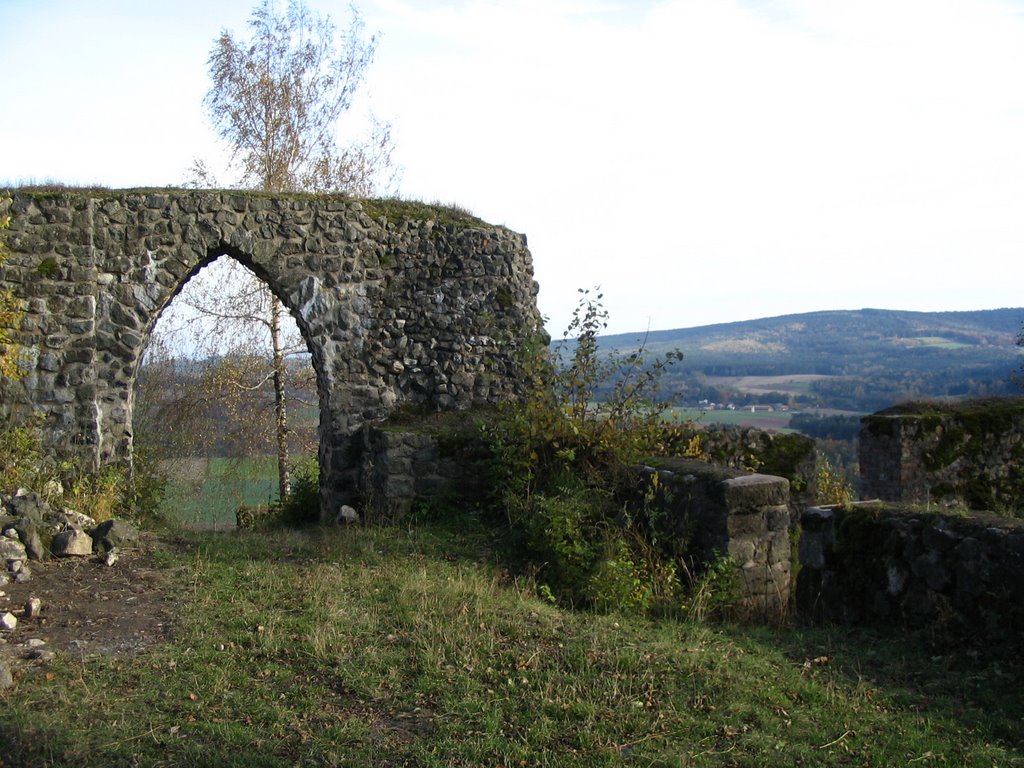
<point>965,454</point>
<point>959,576</point>
<point>709,511</point>
<point>400,469</point>
<point>791,456</point>
<point>703,511</point>
<point>398,303</point>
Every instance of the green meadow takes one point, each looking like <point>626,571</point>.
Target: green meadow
<point>417,645</point>
<point>208,491</point>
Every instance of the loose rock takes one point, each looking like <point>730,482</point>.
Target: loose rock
<point>68,518</point>
<point>12,549</point>
<point>112,534</point>
<point>8,621</point>
<point>29,505</point>
<point>347,515</point>
<point>33,606</point>
<point>73,542</point>
<point>29,535</point>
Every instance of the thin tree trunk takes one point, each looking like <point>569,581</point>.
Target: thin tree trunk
<point>281,413</point>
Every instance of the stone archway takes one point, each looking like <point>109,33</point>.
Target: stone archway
<point>398,303</point>
<point>237,413</point>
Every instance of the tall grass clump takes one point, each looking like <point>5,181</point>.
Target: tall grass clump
<point>113,491</point>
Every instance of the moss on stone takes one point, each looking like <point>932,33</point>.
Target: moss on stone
<point>414,210</point>
<point>391,208</point>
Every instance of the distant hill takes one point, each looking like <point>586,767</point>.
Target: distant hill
<point>858,359</point>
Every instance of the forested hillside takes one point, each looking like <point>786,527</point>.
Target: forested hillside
<point>859,360</point>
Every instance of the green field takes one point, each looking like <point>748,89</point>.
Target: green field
<point>776,420</point>
<point>208,491</point>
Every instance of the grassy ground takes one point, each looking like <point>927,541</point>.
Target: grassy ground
<point>413,646</point>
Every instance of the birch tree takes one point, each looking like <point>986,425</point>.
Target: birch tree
<point>277,100</point>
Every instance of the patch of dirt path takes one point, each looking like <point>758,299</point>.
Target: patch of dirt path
<point>90,608</point>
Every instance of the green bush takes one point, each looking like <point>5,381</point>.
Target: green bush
<point>712,591</point>
<point>302,505</point>
<point>561,458</point>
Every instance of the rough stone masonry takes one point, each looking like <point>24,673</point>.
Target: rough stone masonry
<point>399,303</point>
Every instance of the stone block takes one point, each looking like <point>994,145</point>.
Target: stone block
<point>743,550</point>
<point>73,542</point>
<point>747,524</point>
<point>114,533</point>
<point>812,549</point>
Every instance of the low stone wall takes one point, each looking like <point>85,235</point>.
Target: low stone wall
<point>399,469</point>
<point>709,511</point>
<point>703,511</point>
<point>790,455</point>
<point>871,563</point>
<point>965,454</point>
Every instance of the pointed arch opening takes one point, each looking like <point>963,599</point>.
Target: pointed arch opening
<point>228,395</point>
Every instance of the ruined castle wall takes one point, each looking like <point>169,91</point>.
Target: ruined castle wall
<point>963,454</point>
<point>397,304</point>
<point>956,575</point>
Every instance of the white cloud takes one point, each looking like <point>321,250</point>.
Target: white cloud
<point>703,160</point>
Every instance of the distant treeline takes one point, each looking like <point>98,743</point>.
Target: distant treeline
<point>826,427</point>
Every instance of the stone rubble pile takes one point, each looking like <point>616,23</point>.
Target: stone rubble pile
<point>32,530</point>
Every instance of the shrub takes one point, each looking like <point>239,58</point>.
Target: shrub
<point>114,491</point>
<point>302,505</point>
<point>712,591</point>
<point>833,487</point>
<point>561,458</point>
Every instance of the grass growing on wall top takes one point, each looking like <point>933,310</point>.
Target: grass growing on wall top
<point>396,209</point>
<point>443,214</point>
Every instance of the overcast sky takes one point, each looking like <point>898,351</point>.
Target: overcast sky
<point>702,160</point>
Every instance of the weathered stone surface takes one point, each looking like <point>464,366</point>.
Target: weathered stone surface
<point>29,505</point>
<point>8,621</point>
<point>33,607</point>
<point>874,562</point>
<point>11,549</point>
<point>399,304</point>
<point>73,542</point>
<point>28,533</point>
<point>957,454</point>
<point>712,511</point>
<point>115,533</point>
<point>6,678</point>
<point>60,519</point>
